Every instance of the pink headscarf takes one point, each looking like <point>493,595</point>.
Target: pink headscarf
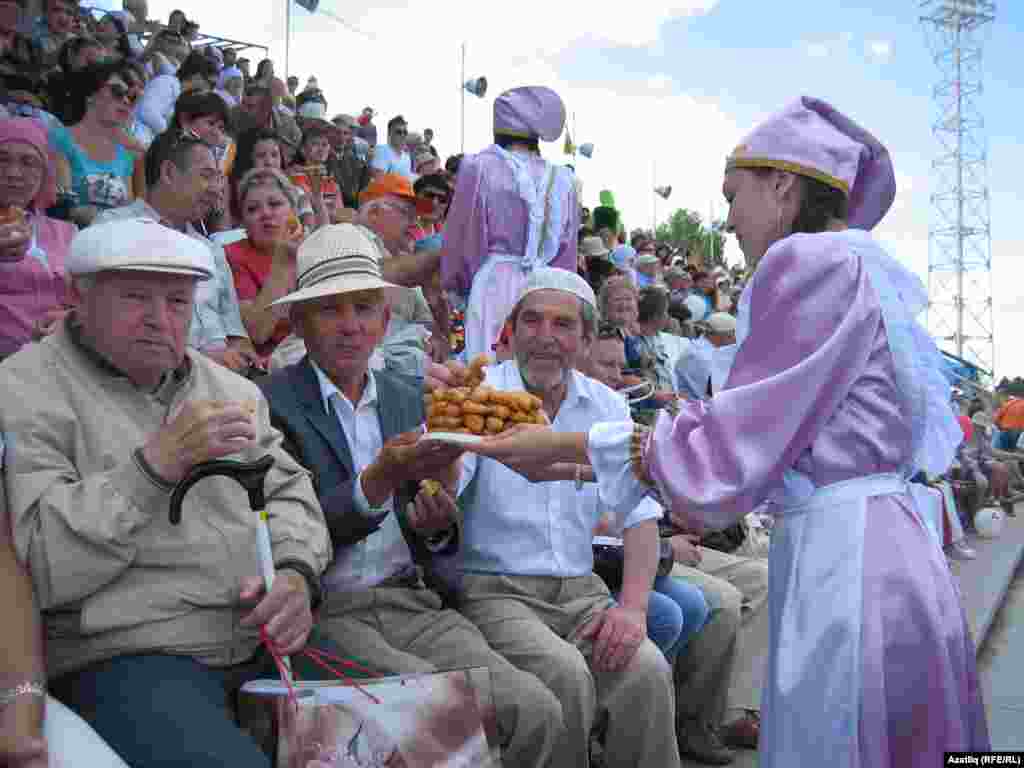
<point>31,131</point>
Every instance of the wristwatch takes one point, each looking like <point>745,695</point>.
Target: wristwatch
<point>28,688</point>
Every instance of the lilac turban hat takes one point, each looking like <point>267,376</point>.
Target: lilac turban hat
<point>529,112</point>
<point>811,138</point>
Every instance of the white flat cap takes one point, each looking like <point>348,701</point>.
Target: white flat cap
<point>555,279</point>
<point>140,245</point>
<point>339,258</point>
<point>721,322</point>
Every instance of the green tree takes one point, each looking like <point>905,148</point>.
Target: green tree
<point>685,229</point>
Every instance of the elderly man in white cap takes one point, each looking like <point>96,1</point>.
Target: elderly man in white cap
<point>526,561</point>
<point>358,431</point>
<point>151,626</point>
<point>705,367</point>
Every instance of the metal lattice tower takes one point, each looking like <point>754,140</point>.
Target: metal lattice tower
<point>959,242</point>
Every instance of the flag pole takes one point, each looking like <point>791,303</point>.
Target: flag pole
<point>287,38</point>
<point>462,91</point>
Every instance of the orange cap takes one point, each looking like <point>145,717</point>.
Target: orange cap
<point>397,186</point>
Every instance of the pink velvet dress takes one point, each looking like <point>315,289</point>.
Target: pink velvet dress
<point>511,212</point>
<point>832,402</point>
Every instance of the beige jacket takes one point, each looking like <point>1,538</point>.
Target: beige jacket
<point>112,575</point>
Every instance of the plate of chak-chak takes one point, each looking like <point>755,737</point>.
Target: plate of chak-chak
<point>470,411</point>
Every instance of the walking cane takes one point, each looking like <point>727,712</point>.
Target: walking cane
<point>250,475</point>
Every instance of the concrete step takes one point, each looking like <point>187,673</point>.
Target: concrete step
<point>984,580</point>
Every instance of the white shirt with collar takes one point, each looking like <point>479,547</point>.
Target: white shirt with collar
<point>513,526</point>
<point>385,552</point>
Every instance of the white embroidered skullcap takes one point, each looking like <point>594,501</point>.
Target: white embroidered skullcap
<point>555,279</point>
<point>140,245</point>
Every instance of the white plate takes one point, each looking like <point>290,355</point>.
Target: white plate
<point>455,438</point>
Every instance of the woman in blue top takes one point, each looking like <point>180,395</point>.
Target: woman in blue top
<point>91,157</point>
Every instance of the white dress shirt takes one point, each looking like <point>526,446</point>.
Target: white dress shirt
<point>693,372</point>
<point>385,552</point>
<point>517,527</point>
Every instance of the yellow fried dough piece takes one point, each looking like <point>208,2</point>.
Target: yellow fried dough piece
<point>430,487</point>
<point>470,406</point>
<point>446,423</point>
<point>494,425</point>
<point>477,365</point>
<point>521,418</point>
<point>473,422</point>
<point>501,411</point>
<point>536,402</point>
<point>540,418</point>
<point>453,409</point>
<point>481,394</point>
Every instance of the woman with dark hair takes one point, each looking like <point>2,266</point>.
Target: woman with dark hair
<point>112,32</point>
<point>512,212</point>
<point>835,399</point>
<point>93,161</point>
<point>309,171</point>
<point>76,54</point>
<point>206,116</point>
<point>265,71</point>
<point>258,148</point>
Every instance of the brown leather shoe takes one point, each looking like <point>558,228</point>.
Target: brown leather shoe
<point>700,741</point>
<point>744,731</point>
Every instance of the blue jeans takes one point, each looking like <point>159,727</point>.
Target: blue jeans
<point>689,599</point>
<point>675,610</point>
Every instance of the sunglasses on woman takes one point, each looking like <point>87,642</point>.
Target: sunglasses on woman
<point>123,93</point>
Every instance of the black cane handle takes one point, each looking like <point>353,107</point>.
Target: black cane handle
<point>249,474</point>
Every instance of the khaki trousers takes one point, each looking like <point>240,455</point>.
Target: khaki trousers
<point>404,630</point>
<point>725,663</point>
<point>534,621</point>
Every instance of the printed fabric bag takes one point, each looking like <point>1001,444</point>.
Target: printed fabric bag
<point>438,720</point>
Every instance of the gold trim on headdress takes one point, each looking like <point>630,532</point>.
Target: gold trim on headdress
<point>516,134</point>
<point>785,165</point>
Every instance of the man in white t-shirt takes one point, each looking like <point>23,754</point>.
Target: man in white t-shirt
<point>393,156</point>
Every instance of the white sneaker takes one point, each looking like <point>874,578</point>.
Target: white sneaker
<point>961,551</point>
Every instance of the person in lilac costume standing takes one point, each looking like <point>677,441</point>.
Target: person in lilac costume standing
<point>512,212</point>
<point>833,401</point>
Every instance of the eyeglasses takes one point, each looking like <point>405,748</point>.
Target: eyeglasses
<point>437,197</point>
<point>123,93</point>
<point>606,331</point>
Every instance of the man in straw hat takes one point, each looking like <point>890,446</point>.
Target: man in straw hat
<point>526,559</point>
<point>512,212</point>
<point>358,431</point>
<point>151,626</point>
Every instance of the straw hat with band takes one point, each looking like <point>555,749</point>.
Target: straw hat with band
<point>336,259</point>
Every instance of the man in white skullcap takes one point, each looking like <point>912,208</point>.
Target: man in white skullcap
<point>151,626</point>
<point>526,559</point>
<point>704,369</point>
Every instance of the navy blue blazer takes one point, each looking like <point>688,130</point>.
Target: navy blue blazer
<point>317,441</point>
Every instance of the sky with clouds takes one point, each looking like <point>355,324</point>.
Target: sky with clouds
<point>665,89</point>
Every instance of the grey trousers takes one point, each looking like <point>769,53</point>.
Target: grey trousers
<point>535,621</point>
<point>404,630</point>
<point>724,664</point>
